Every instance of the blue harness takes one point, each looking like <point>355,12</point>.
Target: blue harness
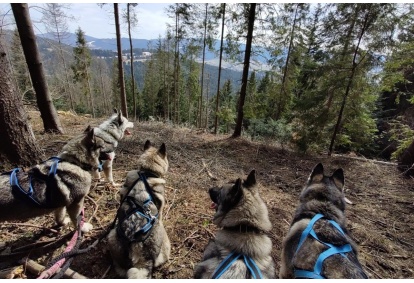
<point>132,234</point>
<point>18,191</point>
<point>316,273</point>
<point>230,259</point>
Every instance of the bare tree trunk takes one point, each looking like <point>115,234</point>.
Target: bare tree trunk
<point>219,71</point>
<point>200,110</point>
<point>90,94</point>
<point>285,69</point>
<point>132,63</point>
<point>249,38</point>
<point>17,142</point>
<point>47,110</point>
<point>350,81</point>
<point>120,64</point>
<point>105,102</point>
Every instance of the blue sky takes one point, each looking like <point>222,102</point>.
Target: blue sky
<point>99,22</point>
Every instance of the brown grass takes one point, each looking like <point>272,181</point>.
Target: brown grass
<point>381,218</point>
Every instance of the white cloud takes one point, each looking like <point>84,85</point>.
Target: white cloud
<point>99,22</point>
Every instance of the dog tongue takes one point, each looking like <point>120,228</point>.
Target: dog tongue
<point>213,205</point>
<point>127,132</point>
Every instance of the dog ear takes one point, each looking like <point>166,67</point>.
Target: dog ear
<point>120,120</point>
<point>87,129</point>
<point>317,174</point>
<point>338,178</point>
<point>251,179</point>
<point>236,191</point>
<point>162,151</point>
<point>89,138</point>
<point>147,145</point>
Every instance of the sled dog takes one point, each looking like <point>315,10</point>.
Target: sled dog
<point>241,249</point>
<point>112,131</point>
<point>139,242</point>
<point>56,185</point>
<point>318,244</point>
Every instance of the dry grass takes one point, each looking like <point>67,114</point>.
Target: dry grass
<point>381,219</point>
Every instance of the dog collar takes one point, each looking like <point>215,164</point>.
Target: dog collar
<point>243,229</point>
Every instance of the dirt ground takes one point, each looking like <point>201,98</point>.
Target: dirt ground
<point>380,219</point>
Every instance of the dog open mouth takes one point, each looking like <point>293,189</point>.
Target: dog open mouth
<point>213,205</point>
<point>127,132</point>
<point>105,156</point>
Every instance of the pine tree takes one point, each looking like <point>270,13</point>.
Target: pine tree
<point>81,67</point>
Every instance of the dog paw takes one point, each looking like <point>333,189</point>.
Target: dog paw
<point>65,221</point>
<point>138,273</point>
<point>87,227</point>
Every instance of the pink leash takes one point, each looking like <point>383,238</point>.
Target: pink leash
<point>52,270</point>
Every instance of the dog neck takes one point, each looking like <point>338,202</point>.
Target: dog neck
<point>243,228</point>
<point>150,174</point>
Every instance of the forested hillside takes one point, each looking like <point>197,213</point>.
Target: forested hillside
<point>333,76</point>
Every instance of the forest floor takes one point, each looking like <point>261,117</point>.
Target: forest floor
<point>381,218</point>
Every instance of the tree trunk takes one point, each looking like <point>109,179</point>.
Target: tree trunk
<point>348,87</point>
<point>132,64</point>
<point>219,71</point>
<point>120,64</point>
<point>285,69</point>
<point>406,161</point>
<point>47,110</point>
<point>249,38</point>
<point>17,142</point>
<point>200,110</point>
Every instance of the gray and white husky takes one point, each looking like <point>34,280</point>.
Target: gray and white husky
<point>318,245</point>
<point>241,249</point>
<point>139,242</point>
<point>112,131</point>
<point>57,185</point>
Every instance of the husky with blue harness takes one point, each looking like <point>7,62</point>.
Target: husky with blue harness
<point>56,185</point>
<point>318,246</point>
<point>138,241</point>
<point>241,249</point>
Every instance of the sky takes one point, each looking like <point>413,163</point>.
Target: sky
<point>99,22</point>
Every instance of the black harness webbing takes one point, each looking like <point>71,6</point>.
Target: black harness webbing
<point>141,211</point>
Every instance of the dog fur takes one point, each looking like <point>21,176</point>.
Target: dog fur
<point>112,131</point>
<point>68,187</point>
<point>243,217</point>
<point>322,194</point>
<point>136,259</point>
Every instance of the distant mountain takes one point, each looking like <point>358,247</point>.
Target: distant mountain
<point>258,62</point>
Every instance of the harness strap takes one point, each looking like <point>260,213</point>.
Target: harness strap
<point>230,259</point>
<point>225,264</point>
<point>251,265</point>
<point>317,270</point>
<point>18,190</point>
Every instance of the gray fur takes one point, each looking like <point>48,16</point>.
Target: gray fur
<point>322,194</point>
<point>68,187</point>
<point>137,259</point>
<point>243,217</point>
<point>112,131</point>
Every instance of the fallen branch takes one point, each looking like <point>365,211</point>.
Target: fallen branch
<point>208,171</point>
<point>31,225</point>
<point>9,273</point>
<point>36,269</point>
<point>367,160</point>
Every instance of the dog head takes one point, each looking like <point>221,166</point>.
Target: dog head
<point>239,203</point>
<point>84,150</point>
<point>321,188</point>
<point>122,122</point>
<point>154,160</point>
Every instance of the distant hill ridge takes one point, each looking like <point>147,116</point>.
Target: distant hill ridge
<point>260,62</point>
